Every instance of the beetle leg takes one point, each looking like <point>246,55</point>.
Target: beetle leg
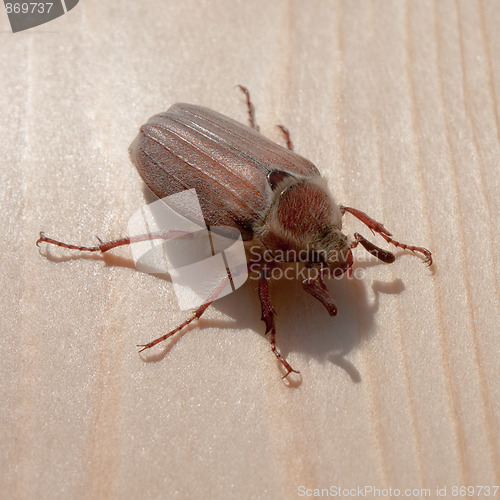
<point>253,123</point>
<point>268,314</point>
<point>104,247</point>
<point>383,255</point>
<point>317,288</point>
<point>251,109</point>
<point>379,228</point>
<point>196,315</point>
<point>286,133</point>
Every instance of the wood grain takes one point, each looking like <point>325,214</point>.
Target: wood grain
<point>397,104</point>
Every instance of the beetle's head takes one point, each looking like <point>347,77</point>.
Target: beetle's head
<point>304,221</point>
<point>336,248</point>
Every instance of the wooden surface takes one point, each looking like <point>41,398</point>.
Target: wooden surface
<point>397,103</point>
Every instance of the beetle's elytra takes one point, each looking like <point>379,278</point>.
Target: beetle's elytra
<point>274,197</point>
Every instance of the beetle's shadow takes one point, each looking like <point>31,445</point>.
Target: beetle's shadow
<point>302,323</point>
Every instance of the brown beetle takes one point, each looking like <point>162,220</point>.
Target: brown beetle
<point>276,199</point>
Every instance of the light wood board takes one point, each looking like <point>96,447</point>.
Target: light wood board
<point>397,103</point>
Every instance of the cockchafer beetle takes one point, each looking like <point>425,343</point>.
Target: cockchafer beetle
<point>276,199</point>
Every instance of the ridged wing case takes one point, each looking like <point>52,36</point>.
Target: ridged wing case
<point>227,163</point>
